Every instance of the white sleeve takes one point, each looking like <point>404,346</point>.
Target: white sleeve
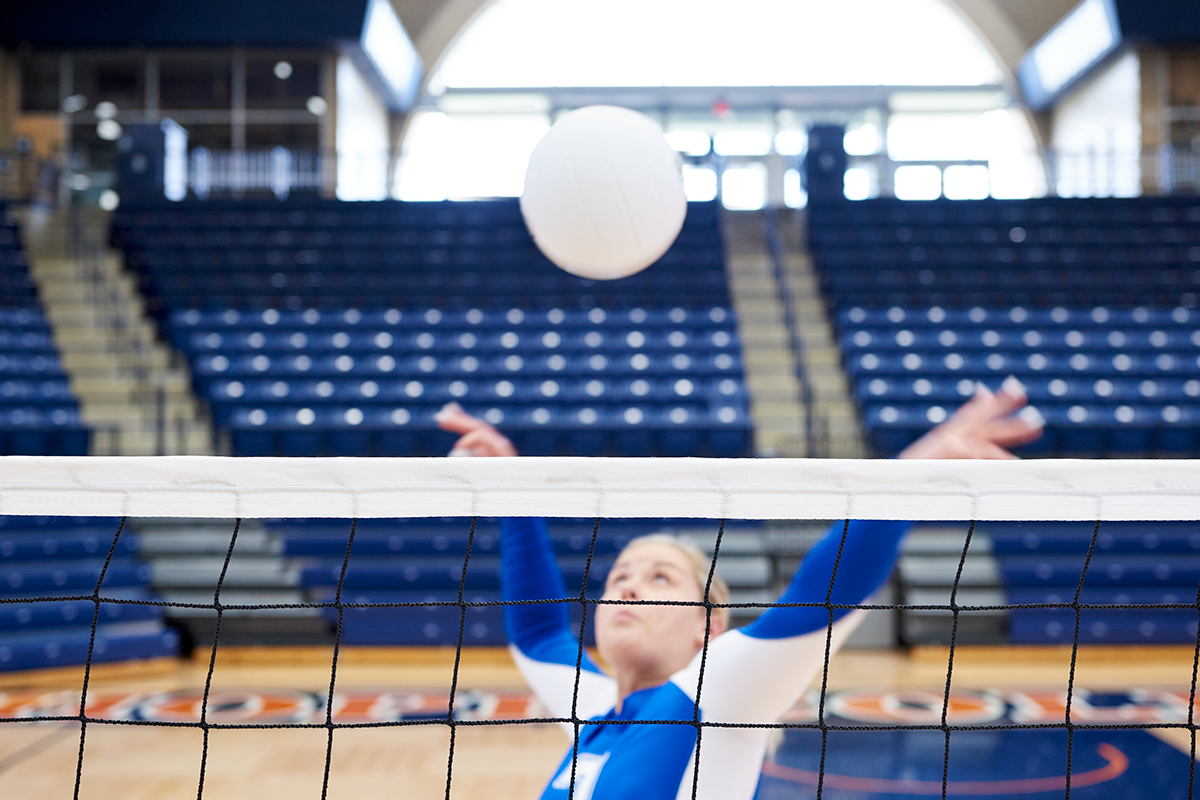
<point>757,680</point>
<point>554,685</point>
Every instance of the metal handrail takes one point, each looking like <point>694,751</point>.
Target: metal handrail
<point>783,285</point>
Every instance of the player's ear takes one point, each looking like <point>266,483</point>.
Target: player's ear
<point>716,626</point>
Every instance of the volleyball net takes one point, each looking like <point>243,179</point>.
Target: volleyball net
<point>1071,518</point>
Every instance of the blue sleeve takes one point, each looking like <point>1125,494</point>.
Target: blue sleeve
<point>529,571</point>
<point>866,562</point>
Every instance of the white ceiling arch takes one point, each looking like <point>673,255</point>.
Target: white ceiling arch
<point>992,20</point>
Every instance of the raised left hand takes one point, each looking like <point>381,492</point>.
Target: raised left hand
<point>984,427</point>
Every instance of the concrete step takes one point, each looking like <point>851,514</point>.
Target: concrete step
<point>104,380</point>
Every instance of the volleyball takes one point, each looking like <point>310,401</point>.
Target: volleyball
<point>603,196</point>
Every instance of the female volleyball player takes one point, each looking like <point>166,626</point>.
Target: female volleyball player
<point>657,652</point>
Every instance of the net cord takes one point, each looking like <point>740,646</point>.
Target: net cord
<point>1070,726</point>
<point>212,659</point>
<point>87,667</point>
<point>837,561</point>
<point>462,625</point>
<point>576,722</point>
<point>337,649</point>
<point>708,608</point>
<point>954,610</point>
<point>759,489</point>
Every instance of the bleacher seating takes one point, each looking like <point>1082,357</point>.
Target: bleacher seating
<point>43,557</point>
<point>1090,303</point>
<point>324,328</point>
<point>1133,563</point>
<point>415,561</point>
<point>39,415</point>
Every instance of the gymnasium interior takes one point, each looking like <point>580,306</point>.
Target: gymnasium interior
<point>293,229</point>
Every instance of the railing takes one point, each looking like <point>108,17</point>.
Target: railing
<point>281,171</point>
<point>1166,170</point>
<point>118,313</point>
<point>814,447</point>
<point>26,178</point>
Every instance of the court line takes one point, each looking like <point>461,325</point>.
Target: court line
<point>34,748</point>
<point>1117,764</point>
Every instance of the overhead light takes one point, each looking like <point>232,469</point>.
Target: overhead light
<point>105,110</point>
<point>109,130</point>
<point>283,70</point>
<point>316,106</point>
<point>75,102</point>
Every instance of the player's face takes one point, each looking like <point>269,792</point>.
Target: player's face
<point>651,639</point>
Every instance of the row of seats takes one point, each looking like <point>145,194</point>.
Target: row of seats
<point>483,341</point>
<point>1020,267</point>
<point>595,430</point>
<point>1022,339</point>
<point>207,366</point>
<point>162,304</point>
<point>414,569</point>
<point>1029,235</point>
<point>724,390</point>
<point>311,213</point>
<point>1155,212</point>
<point>207,253</point>
<point>1061,295</point>
<point>1070,430</point>
<point>1130,564</point>
<point>978,364</point>
<point>184,323</point>
<point>1006,315</point>
<point>1039,390</point>
<point>42,558</point>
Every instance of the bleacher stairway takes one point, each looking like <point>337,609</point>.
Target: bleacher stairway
<point>767,356</point>
<point>186,557</point>
<point>770,363</point>
<point>134,392</point>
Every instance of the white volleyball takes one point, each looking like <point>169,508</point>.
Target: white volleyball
<point>603,193</point>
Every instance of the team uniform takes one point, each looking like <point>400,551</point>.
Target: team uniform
<point>752,674</point>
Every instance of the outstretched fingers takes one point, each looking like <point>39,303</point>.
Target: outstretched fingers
<point>478,438</point>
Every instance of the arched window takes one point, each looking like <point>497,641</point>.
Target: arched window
<point>489,102</point>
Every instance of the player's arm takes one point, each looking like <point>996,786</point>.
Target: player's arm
<point>757,672</point>
<point>539,629</point>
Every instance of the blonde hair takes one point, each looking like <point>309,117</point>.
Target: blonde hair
<point>701,565</point>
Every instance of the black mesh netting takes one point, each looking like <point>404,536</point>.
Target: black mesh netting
<point>820,725</point>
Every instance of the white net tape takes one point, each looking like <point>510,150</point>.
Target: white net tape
<point>761,489</point>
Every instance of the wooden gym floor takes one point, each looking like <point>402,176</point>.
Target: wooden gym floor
<point>123,762</point>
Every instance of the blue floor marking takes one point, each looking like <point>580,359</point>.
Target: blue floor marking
<point>1025,764</point>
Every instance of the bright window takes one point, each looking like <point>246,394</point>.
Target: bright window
<point>966,182</point>
<point>857,184</point>
<point>791,143</point>
<point>794,195</point>
<point>744,188</point>
<point>742,143</point>
<point>463,156</point>
<point>530,43</point>
<point>918,182</point>
<point>692,143</point>
<point>699,183</point>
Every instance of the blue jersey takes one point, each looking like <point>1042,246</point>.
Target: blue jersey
<point>753,674</point>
